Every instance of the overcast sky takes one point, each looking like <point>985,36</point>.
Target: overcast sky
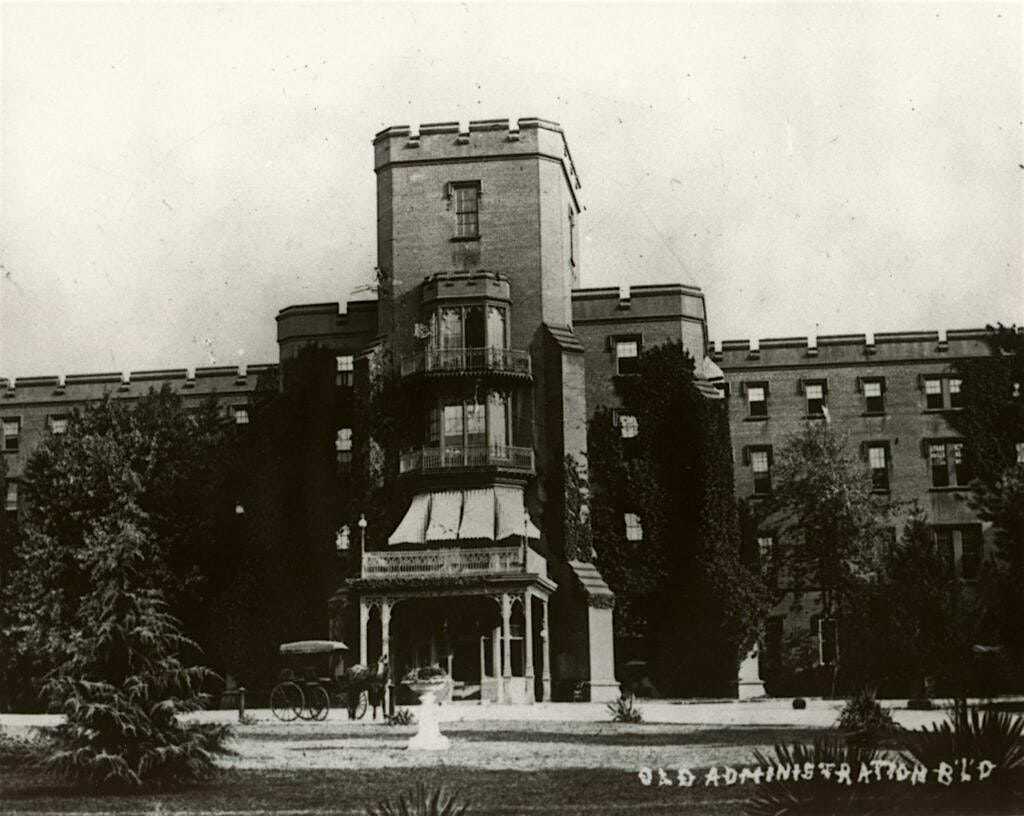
<point>173,175</point>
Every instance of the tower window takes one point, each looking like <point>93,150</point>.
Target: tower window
<point>933,393</point>
<point>947,465</point>
<point>241,414</point>
<point>11,500</point>
<point>956,398</point>
<point>343,446</point>
<point>629,426</point>
<point>467,210</point>
<point>58,425</point>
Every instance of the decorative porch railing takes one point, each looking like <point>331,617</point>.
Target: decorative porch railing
<point>426,460</point>
<point>500,360</point>
<point>448,561</point>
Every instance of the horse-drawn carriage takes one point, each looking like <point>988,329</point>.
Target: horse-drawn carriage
<point>302,693</point>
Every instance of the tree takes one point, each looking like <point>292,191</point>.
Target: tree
<point>157,456</point>
<point>124,681</point>
<point>992,425</point>
<point>685,601</point>
<point>829,527</point>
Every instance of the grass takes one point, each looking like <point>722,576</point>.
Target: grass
<point>501,793</point>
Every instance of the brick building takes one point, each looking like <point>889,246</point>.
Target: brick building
<point>893,396</point>
<point>479,308</point>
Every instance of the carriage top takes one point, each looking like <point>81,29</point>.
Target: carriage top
<point>312,647</point>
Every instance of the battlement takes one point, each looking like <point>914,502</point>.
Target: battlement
<point>637,302</point>
<point>313,320</point>
<point>77,388</point>
<point>850,348</point>
<point>448,141</point>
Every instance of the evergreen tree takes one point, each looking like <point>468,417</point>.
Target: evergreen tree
<point>685,600</point>
<point>124,681</point>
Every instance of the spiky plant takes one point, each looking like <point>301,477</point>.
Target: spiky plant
<point>783,797</point>
<point>865,720</point>
<point>969,733</point>
<point>125,684</point>
<point>421,801</point>
<point>626,710</point>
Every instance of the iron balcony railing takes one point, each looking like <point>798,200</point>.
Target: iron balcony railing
<point>499,360</point>
<point>453,561</point>
<point>426,460</point>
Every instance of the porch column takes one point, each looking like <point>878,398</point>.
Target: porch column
<point>364,619</point>
<point>385,647</point>
<point>545,636</point>
<point>499,685</point>
<point>528,645</point>
<point>506,642</point>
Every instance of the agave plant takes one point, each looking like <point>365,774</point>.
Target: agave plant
<point>625,710</point>
<point>969,733</point>
<point>422,802</point>
<point>818,795</point>
<point>402,716</point>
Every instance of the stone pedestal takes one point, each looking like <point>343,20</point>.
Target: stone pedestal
<point>748,682</point>
<point>428,736</point>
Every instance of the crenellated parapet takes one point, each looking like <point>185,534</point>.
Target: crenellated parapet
<point>74,389</point>
<point>849,349</point>
<point>483,139</point>
<point>658,301</point>
<point>326,324</point>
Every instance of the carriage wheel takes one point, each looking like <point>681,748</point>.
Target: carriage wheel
<point>318,704</point>
<point>360,709</point>
<point>286,701</point>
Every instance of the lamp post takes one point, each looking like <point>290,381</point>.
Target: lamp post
<point>362,533</point>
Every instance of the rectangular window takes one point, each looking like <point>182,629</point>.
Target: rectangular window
<point>627,354</point>
<point>497,420</point>
<point>58,424</point>
<point>757,402</point>
<point>874,399</point>
<point>345,364</point>
<point>944,543</point>
<point>970,552</point>
<point>634,530</point>
<point>12,433</point>
<point>453,425</point>
<point>1020,453</point>
<point>765,549</point>
<point>629,426</point>
<point>11,500</point>
<point>956,399</point>
<point>496,325</point>
<point>933,393</point>
<point>828,640</point>
<point>815,393</point>
<point>476,424</point>
<point>760,466</point>
<point>343,446</point>
<point>878,461</point>
<point>434,427</point>
<point>467,210</point>
<point>241,414</point>
<point>938,462</point>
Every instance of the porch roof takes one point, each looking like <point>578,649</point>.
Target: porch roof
<point>492,513</point>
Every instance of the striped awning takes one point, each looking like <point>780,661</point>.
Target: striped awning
<point>484,514</point>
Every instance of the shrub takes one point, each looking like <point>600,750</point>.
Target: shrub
<point>425,674</point>
<point>16,751</point>
<point>972,734</point>
<point>799,703</point>
<point>625,710</point>
<point>422,802</point>
<point>864,719</point>
<point>818,795</point>
<point>402,716</point>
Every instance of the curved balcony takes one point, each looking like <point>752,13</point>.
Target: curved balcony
<point>468,361</point>
<point>441,460</point>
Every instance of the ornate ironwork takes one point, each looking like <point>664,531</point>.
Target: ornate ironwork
<point>447,561</point>
<point>506,361</point>
<point>426,460</point>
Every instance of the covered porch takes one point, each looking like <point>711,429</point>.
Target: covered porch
<point>493,640</point>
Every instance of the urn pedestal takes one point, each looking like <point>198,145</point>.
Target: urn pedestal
<point>428,736</point>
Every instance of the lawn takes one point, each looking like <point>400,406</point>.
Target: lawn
<point>557,767</point>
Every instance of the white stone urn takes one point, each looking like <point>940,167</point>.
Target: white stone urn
<point>428,736</point>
